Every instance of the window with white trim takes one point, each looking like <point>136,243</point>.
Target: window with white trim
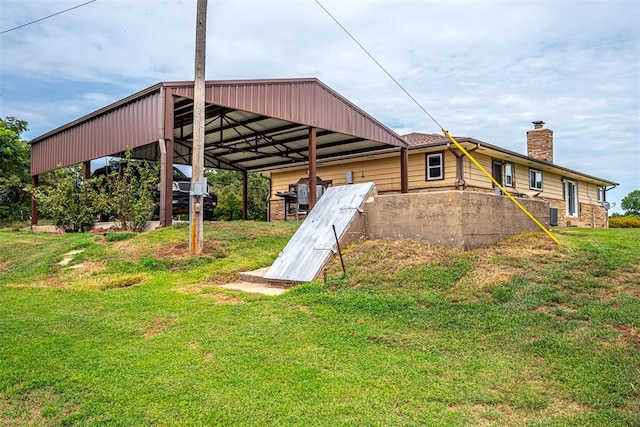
<point>535,179</point>
<point>434,166</point>
<point>600,194</point>
<point>508,174</point>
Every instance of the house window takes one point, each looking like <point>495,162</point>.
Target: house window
<point>435,166</point>
<point>600,194</point>
<point>508,174</point>
<point>535,179</point>
<point>571,197</point>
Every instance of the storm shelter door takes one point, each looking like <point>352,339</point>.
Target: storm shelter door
<point>496,172</point>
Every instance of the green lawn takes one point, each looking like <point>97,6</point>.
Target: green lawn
<point>137,333</point>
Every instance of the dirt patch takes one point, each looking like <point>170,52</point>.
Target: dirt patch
<point>391,256</point>
<point>85,268</point>
<point>625,283</point>
<point>157,326</point>
<point>503,413</point>
<point>629,333</point>
<point>134,250</point>
<point>27,408</point>
<point>128,250</point>
<point>224,298</point>
<point>180,250</point>
<point>53,282</point>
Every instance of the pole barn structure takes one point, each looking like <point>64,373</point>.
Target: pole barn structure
<point>250,125</point>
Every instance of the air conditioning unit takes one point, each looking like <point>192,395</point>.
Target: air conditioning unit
<point>553,217</point>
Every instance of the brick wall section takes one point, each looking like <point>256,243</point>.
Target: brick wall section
<point>276,209</point>
<point>590,215</point>
<point>540,144</point>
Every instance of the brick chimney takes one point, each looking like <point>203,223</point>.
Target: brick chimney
<point>540,142</point>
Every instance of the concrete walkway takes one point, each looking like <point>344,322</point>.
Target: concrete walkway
<point>253,282</point>
<point>255,288</point>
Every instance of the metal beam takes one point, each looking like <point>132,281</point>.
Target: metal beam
<point>404,170</point>
<point>312,168</point>
<point>86,170</point>
<point>245,195</point>
<point>34,203</point>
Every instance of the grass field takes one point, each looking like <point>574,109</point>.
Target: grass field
<point>133,331</point>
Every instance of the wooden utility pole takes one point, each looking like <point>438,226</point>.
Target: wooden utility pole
<point>197,160</point>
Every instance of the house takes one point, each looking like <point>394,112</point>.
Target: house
<point>574,198</point>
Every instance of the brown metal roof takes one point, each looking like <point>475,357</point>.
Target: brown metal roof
<point>250,125</point>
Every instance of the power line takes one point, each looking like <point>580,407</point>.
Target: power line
<point>378,64</point>
<point>46,17</point>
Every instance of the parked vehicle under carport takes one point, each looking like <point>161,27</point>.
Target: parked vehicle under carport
<point>180,193</point>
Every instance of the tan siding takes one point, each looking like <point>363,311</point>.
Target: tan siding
<point>521,180</point>
<point>385,172</point>
<point>473,175</point>
<point>587,192</point>
<point>551,185</point>
<point>418,171</point>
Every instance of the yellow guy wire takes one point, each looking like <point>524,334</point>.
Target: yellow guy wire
<point>460,147</point>
<point>497,184</point>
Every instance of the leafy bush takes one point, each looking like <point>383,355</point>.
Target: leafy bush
<point>624,222</point>
<point>70,201</point>
<point>128,193</point>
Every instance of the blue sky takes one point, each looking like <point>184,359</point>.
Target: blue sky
<point>483,69</point>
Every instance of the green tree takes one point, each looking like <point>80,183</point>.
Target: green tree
<point>227,185</point>
<point>15,181</point>
<point>631,203</point>
<point>128,192</point>
<point>72,203</point>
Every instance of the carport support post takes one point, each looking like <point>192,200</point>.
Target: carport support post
<point>312,168</point>
<point>404,170</point>
<point>245,194</point>
<point>86,170</point>
<point>166,182</point>
<point>166,158</point>
<point>34,204</point>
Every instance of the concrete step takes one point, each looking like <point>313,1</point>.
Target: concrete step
<point>255,276</point>
<point>254,288</point>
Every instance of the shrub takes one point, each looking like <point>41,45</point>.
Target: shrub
<point>624,222</point>
<point>128,193</point>
<point>70,201</point>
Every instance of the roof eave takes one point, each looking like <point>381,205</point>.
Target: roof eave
<point>112,106</point>
<point>514,154</point>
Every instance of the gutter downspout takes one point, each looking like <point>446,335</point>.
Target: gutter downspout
<point>605,199</point>
<point>460,181</point>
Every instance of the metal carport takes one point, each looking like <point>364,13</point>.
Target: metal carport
<point>250,125</point>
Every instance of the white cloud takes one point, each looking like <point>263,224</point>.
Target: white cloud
<point>484,69</point>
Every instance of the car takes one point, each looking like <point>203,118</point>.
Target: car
<point>181,189</point>
<point>180,192</point>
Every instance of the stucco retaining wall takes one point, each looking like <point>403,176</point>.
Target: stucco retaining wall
<point>452,218</point>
